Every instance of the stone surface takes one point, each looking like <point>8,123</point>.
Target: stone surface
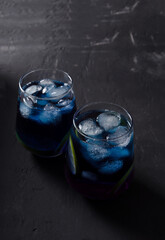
<point>114,51</point>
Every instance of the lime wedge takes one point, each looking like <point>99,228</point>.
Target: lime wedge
<point>72,157</point>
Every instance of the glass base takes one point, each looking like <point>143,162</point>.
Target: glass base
<point>99,190</point>
<point>44,154</point>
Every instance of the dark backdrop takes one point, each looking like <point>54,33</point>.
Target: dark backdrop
<point>114,51</point>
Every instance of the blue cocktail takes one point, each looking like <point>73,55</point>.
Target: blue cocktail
<point>100,151</point>
<point>46,104</point>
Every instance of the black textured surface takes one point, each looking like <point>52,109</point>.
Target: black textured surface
<point>114,51</point>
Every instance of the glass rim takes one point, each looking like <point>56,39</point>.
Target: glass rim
<point>49,70</point>
<point>101,139</point>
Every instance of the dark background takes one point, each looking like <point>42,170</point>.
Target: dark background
<point>114,51</point>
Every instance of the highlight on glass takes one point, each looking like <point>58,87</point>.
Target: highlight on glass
<point>45,109</point>
<point>100,151</point>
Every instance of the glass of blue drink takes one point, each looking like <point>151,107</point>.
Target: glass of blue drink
<point>46,104</point>
<point>100,151</point>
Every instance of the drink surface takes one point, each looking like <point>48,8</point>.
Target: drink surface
<point>100,152</point>
<point>44,116</point>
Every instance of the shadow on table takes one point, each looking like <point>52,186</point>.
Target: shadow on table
<point>7,107</point>
<point>140,211</point>
<point>52,167</point>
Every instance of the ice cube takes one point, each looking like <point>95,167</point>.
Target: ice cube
<point>66,105</point>
<point>89,175</point>
<point>46,89</point>
<point>24,110</point>
<point>33,89</point>
<point>47,85</point>
<point>119,131</point>
<point>119,152</point>
<point>57,91</point>
<point>98,154</point>
<point>94,153</point>
<point>64,102</point>
<point>29,101</point>
<point>50,114</point>
<point>49,107</point>
<point>89,127</point>
<point>27,108</point>
<point>46,82</point>
<point>109,120</point>
<point>120,136</point>
<point>111,167</point>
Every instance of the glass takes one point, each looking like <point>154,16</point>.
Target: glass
<point>46,104</point>
<point>100,151</point>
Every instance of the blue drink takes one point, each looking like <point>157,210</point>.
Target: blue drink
<point>45,111</point>
<point>100,151</point>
